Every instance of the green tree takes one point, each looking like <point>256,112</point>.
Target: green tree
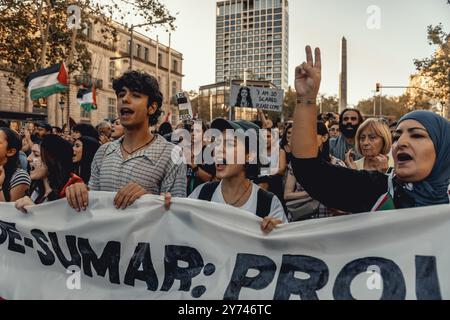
<point>437,67</point>
<point>390,106</point>
<point>34,33</point>
<point>328,103</point>
<point>289,103</point>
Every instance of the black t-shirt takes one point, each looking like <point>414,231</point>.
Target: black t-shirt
<point>193,181</point>
<point>342,188</point>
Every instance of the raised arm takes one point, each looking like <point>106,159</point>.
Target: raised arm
<point>359,190</point>
<point>307,83</point>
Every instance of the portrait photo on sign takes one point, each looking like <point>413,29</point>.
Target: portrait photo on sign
<point>244,98</point>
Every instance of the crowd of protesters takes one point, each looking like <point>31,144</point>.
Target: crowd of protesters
<point>315,166</point>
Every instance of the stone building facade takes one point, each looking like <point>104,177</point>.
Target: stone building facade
<point>109,61</point>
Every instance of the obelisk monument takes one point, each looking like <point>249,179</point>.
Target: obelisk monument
<point>343,77</point>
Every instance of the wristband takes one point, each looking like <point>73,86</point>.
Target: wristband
<point>307,101</point>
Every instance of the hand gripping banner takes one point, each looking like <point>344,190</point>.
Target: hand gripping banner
<point>199,250</point>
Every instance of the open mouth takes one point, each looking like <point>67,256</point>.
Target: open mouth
<point>220,164</point>
<point>403,157</point>
<point>126,112</point>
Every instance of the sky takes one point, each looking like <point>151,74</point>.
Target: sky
<point>383,54</point>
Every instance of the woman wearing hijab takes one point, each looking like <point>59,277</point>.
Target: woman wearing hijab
<point>421,152</point>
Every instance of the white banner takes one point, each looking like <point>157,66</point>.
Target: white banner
<point>256,97</point>
<point>193,252</point>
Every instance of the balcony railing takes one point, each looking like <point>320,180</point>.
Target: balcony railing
<point>88,81</point>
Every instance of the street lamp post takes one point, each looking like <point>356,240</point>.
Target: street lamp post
<point>132,36</point>
<point>61,105</point>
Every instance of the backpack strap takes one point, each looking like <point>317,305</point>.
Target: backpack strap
<point>207,191</point>
<point>264,203</point>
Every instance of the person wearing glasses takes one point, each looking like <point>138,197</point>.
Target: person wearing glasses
<point>349,122</point>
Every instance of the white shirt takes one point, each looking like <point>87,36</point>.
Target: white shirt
<point>273,167</point>
<point>276,209</point>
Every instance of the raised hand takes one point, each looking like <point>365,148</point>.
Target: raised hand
<point>349,159</point>
<point>308,75</point>
<point>103,139</point>
<point>381,162</point>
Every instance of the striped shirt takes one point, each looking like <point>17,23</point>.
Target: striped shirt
<point>19,177</point>
<point>152,168</point>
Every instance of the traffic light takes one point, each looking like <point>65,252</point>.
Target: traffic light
<point>378,87</point>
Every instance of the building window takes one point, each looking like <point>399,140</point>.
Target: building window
<point>112,108</point>
<point>146,56</point>
<point>138,50</point>
<point>84,114</point>
<point>112,71</point>
<point>175,65</point>
<point>160,62</point>
<point>174,88</point>
<point>88,31</point>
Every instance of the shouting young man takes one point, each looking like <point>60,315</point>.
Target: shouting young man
<point>138,163</point>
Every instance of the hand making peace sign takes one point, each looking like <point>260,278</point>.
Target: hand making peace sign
<point>308,75</point>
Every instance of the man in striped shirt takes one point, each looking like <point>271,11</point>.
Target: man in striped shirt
<point>138,163</point>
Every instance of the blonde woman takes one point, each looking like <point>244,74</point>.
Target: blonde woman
<point>373,141</point>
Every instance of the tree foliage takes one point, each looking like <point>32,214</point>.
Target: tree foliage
<point>436,69</point>
<point>394,107</point>
<point>329,104</point>
<point>34,33</point>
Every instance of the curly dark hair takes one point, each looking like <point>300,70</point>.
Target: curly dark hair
<point>144,83</point>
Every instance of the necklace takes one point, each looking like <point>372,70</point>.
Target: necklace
<point>240,198</point>
<point>133,151</point>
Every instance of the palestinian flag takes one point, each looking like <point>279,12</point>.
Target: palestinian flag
<point>385,202</point>
<point>45,82</point>
<point>86,98</point>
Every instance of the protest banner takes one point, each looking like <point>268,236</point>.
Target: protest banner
<point>194,252</point>
<point>257,97</point>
